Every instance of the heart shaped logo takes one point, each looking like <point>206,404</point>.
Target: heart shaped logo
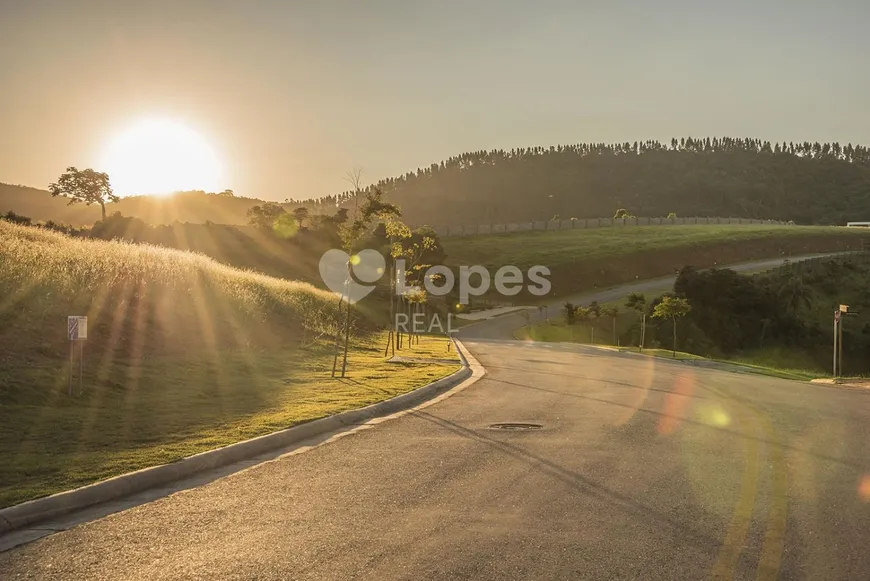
<point>340,272</point>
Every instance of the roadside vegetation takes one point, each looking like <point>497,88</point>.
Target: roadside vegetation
<point>132,416</point>
<point>779,320</point>
<point>183,355</point>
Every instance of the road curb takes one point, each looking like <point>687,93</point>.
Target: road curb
<point>41,509</point>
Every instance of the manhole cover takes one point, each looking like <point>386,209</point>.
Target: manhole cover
<point>515,426</point>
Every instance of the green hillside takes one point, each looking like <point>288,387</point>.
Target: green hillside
<point>183,355</point>
<point>141,298</point>
<point>585,259</point>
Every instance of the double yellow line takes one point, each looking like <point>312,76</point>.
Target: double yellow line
<point>770,559</point>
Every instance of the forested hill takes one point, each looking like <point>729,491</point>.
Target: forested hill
<point>810,183</point>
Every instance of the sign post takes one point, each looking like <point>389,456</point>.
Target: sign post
<point>77,331</point>
<point>840,344</point>
<point>843,311</point>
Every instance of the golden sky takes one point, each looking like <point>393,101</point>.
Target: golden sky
<point>291,95</point>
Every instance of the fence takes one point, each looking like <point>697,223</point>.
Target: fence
<point>582,224</point>
<point>809,264</point>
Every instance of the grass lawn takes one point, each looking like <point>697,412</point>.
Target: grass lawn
<point>557,247</point>
<point>165,408</point>
<point>583,260</point>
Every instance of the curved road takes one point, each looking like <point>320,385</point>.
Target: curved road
<point>643,469</point>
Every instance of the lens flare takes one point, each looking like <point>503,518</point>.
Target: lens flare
<point>714,415</point>
<point>675,404</point>
<point>864,488</point>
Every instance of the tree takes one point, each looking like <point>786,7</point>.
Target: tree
<point>570,313</point>
<point>85,185</point>
<point>589,315</point>
<point>595,309</point>
<point>300,214</point>
<point>582,315</point>
<point>612,312</point>
<point>265,216</point>
<point>637,302</point>
<point>374,207</point>
<point>621,213</point>
<point>412,248</point>
<point>227,193</point>
<point>672,308</point>
<point>340,216</point>
<point>793,293</point>
<point>672,215</point>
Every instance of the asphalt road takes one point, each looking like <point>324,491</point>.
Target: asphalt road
<point>643,469</point>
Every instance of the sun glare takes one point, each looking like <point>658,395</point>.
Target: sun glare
<point>160,156</point>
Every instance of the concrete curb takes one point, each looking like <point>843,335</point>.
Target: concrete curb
<point>41,509</point>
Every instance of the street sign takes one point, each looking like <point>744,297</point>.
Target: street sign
<point>77,328</point>
<point>844,308</point>
<point>77,331</point>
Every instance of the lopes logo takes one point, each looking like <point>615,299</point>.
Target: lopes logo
<point>338,271</point>
<point>354,277</point>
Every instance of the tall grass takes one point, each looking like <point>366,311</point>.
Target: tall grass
<point>183,355</point>
<point>142,299</point>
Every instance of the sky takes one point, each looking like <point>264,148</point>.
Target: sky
<point>292,95</point>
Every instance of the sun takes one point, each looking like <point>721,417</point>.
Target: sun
<point>160,156</point>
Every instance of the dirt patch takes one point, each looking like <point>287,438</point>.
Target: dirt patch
<point>847,383</point>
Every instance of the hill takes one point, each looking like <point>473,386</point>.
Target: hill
<point>195,207</point>
<point>580,260</point>
<point>42,207</point>
<point>183,355</point>
<point>809,183</point>
<point>143,300</point>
